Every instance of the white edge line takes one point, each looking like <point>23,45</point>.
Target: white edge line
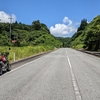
<point>74,82</point>
<point>20,67</point>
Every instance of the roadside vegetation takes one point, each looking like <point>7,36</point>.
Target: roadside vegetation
<point>26,40</point>
<point>25,51</point>
<point>87,35</point>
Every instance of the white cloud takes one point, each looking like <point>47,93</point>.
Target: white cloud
<point>62,29</point>
<point>66,19</point>
<point>88,22</point>
<point>4,17</point>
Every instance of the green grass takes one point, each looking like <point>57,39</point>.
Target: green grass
<point>23,52</point>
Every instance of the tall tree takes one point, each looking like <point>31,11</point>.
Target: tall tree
<point>36,25</point>
<point>83,25</point>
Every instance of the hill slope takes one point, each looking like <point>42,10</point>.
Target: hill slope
<point>24,35</point>
<point>87,37</point>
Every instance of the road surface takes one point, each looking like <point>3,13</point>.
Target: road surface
<point>64,74</point>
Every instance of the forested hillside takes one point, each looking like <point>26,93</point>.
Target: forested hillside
<point>65,41</point>
<point>87,35</point>
<point>25,35</point>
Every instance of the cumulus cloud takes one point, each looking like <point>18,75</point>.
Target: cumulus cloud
<point>88,22</point>
<point>4,17</point>
<point>66,19</point>
<point>63,29</point>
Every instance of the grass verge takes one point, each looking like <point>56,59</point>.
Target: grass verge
<point>23,52</point>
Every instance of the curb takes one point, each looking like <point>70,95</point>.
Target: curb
<point>31,57</point>
<point>91,52</point>
<point>27,58</point>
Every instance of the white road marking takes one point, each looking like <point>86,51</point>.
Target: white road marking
<point>75,85</point>
<point>20,67</point>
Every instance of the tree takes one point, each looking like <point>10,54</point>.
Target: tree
<point>82,25</point>
<point>88,35</point>
<point>36,25</point>
<point>24,35</point>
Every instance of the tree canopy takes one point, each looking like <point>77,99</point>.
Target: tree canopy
<point>87,35</point>
<point>24,35</point>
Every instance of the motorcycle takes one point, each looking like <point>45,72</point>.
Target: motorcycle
<point>4,63</point>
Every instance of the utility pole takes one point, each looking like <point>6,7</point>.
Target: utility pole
<point>10,27</point>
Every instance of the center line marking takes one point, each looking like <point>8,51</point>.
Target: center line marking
<point>74,82</point>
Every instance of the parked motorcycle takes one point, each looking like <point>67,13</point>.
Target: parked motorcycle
<point>4,63</point>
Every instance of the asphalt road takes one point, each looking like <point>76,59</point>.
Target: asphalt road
<point>64,74</point>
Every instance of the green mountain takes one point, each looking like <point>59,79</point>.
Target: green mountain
<point>65,41</point>
<point>24,35</point>
<point>87,35</point>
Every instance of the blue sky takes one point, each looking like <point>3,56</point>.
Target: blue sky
<point>62,17</point>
